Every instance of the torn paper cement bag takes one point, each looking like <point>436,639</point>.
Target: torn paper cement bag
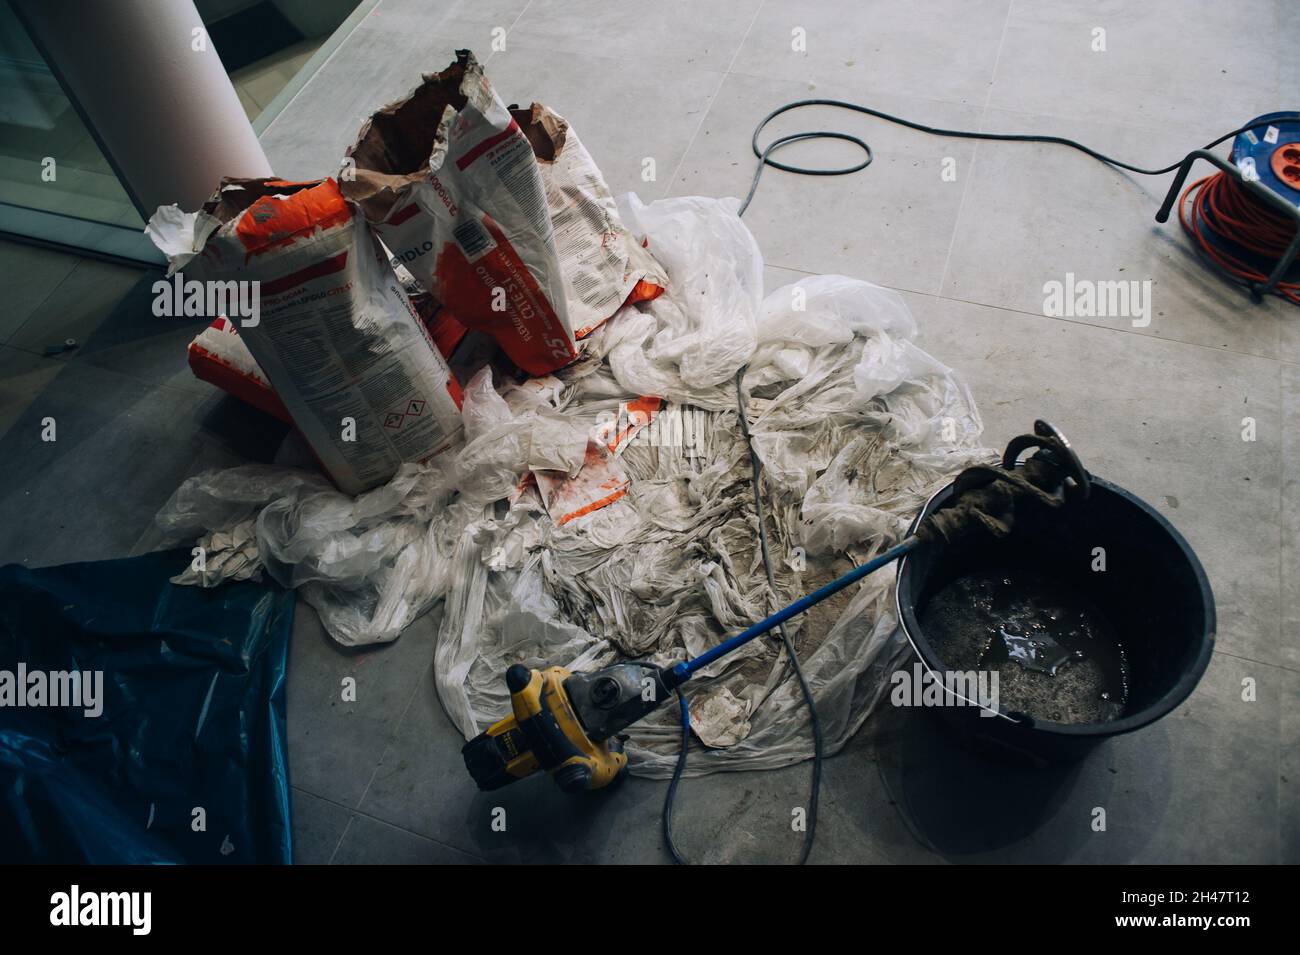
<point>219,356</point>
<point>602,265</point>
<point>336,336</point>
<point>449,182</point>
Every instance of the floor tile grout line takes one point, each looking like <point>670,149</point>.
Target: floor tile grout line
<point>835,86</point>
<point>70,362</point>
<point>997,58</point>
<point>322,797</point>
<point>1217,349</point>
<point>708,108</point>
<point>388,745</point>
<point>1261,663</point>
<point>155,385</point>
<point>961,205</point>
<point>48,295</point>
<point>338,845</point>
<point>352,813</point>
<point>513,23</point>
<point>419,835</point>
<point>338,47</point>
<point>668,186</point>
<point>48,361</point>
<point>745,38</point>
<point>975,151</point>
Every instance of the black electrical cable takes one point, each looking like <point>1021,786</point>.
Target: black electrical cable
<point>755,472</point>
<point>764,155</point>
<point>670,797</point>
<point>755,475</point>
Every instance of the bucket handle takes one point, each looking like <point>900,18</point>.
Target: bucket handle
<point>1055,446</point>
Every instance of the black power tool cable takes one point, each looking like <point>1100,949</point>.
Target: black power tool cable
<point>755,471</point>
<point>764,155</point>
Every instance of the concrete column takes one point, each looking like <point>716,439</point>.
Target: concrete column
<point>165,113</point>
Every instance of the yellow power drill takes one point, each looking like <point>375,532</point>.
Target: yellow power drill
<point>565,723</point>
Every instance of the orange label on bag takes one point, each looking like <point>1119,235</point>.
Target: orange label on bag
<point>481,275</point>
<point>275,221</point>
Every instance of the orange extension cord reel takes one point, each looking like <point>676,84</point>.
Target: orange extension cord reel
<point>1245,219</point>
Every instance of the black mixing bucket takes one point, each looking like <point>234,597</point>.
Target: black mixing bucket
<point>1152,590</point>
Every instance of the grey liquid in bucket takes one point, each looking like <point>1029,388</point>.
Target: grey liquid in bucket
<point>1097,618</point>
<point>1057,655</point>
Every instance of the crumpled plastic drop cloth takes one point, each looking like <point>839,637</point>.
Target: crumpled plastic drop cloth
<point>856,426</point>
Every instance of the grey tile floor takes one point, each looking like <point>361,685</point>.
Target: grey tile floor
<point>1156,409</point>
<point>258,83</point>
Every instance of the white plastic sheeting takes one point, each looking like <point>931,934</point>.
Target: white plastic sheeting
<point>855,425</point>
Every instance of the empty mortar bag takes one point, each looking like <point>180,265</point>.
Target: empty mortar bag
<point>219,356</point>
<point>603,266</point>
<point>142,722</point>
<point>448,180</point>
<point>335,334</point>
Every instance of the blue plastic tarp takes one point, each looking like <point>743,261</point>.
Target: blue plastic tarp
<point>180,755</point>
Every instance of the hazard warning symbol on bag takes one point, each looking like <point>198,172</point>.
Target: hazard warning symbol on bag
<point>412,409</point>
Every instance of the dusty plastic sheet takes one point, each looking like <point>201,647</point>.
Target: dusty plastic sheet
<point>856,426</point>
<point>370,565</point>
<point>190,715</point>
